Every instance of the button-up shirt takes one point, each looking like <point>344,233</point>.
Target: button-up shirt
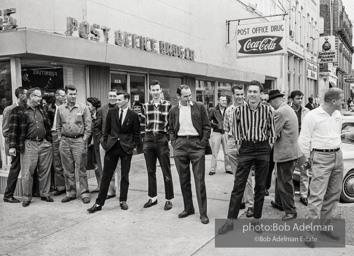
<point>74,121</point>
<point>229,114</point>
<point>320,130</point>
<point>253,125</point>
<point>156,116</point>
<point>36,129</point>
<point>186,127</point>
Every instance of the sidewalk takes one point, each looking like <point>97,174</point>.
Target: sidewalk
<point>67,229</point>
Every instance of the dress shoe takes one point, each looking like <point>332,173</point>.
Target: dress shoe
<point>95,208</point>
<point>67,199</point>
<point>257,227</point>
<point>150,203</point>
<point>36,194</point>
<point>228,226</point>
<point>59,192</point>
<point>276,206</point>
<point>47,199</point>
<point>123,205</point>
<point>289,216</point>
<point>249,212</point>
<point>304,201</point>
<point>26,203</point>
<point>168,206</point>
<point>204,219</point>
<point>185,213</point>
<point>52,189</point>
<point>228,172</point>
<point>266,192</point>
<point>243,206</point>
<point>86,200</point>
<point>310,244</point>
<point>211,173</point>
<point>110,196</point>
<point>11,200</point>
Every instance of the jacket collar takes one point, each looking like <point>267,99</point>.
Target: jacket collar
<point>190,103</point>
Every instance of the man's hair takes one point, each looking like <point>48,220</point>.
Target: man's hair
<point>125,95</point>
<point>57,92</point>
<point>49,98</point>
<point>154,82</point>
<point>256,83</point>
<point>96,103</point>
<point>113,90</point>
<point>30,91</point>
<point>19,90</point>
<point>332,94</point>
<point>70,87</point>
<point>181,87</point>
<point>295,93</point>
<point>222,95</point>
<point>236,87</point>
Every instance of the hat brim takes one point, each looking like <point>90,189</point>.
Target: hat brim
<point>275,96</point>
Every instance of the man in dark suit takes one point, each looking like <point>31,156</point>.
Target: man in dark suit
<point>310,105</point>
<point>121,135</point>
<point>189,130</point>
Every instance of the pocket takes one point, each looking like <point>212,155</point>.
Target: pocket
<point>79,119</point>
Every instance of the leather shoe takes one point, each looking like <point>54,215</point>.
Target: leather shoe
<point>243,206</point>
<point>185,213</point>
<point>276,206</point>
<point>229,172</point>
<point>95,208</point>
<point>310,244</point>
<point>47,199</point>
<point>249,212</point>
<point>110,196</point>
<point>86,200</point>
<point>67,199</point>
<point>59,192</point>
<point>123,205</point>
<point>228,226</point>
<point>150,203</point>
<point>266,193</point>
<point>211,173</point>
<point>204,219</point>
<point>36,194</point>
<point>168,206</point>
<point>26,203</point>
<point>11,200</point>
<point>304,201</point>
<point>289,216</point>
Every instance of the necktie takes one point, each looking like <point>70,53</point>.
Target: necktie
<point>121,117</point>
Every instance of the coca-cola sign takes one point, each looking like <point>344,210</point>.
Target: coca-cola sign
<point>260,44</point>
<point>261,39</point>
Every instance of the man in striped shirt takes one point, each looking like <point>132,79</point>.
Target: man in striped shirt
<point>156,144</point>
<point>253,129</point>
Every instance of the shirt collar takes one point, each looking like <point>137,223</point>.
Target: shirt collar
<point>75,106</point>
<point>190,103</point>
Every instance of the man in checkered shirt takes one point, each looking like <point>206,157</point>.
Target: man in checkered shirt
<point>156,144</point>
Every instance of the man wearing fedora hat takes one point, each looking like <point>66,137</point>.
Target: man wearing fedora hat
<point>285,154</point>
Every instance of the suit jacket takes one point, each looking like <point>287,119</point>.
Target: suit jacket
<point>217,119</point>
<point>100,123</point>
<point>200,121</point>
<point>310,106</point>
<point>128,133</point>
<point>19,125</point>
<point>287,130</point>
<point>6,126</point>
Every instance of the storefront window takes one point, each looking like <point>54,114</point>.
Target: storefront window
<point>5,85</point>
<point>205,93</point>
<point>169,87</point>
<point>45,75</point>
<point>137,88</point>
<point>225,89</point>
<point>119,81</point>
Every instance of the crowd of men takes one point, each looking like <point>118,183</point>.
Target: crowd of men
<point>257,132</point>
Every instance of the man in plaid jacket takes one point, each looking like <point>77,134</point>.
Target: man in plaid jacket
<point>30,135</point>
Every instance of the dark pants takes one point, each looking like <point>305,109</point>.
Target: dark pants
<point>249,153</point>
<point>110,163</point>
<point>284,186</point>
<point>13,175</point>
<point>188,151</point>
<point>156,147</point>
<point>270,170</point>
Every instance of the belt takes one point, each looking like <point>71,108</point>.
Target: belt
<point>155,133</point>
<point>188,137</point>
<point>36,140</point>
<point>326,150</point>
<point>253,141</point>
<point>76,136</point>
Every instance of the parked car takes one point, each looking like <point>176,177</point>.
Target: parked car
<point>347,147</point>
